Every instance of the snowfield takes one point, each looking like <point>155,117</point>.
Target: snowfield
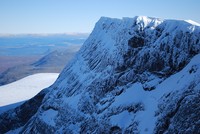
<point>25,88</point>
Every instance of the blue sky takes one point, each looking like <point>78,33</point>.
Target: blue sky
<point>69,16</point>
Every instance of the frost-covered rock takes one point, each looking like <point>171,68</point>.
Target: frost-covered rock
<point>125,78</point>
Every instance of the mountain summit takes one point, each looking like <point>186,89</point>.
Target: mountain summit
<point>132,75</point>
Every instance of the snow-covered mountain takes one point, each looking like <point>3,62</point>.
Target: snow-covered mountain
<point>132,75</point>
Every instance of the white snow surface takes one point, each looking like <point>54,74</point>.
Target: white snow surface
<point>49,116</point>
<point>192,22</point>
<point>123,119</point>
<point>25,88</point>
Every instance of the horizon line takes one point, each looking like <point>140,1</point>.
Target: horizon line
<point>45,34</point>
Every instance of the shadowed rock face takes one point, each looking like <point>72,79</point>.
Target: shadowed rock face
<point>183,116</point>
<point>92,95</point>
<point>19,116</point>
<point>136,42</point>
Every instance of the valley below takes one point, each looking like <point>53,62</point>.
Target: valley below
<point>24,55</point>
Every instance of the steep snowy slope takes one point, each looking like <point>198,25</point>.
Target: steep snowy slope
<point>133,75</point>
<point>25,88</point>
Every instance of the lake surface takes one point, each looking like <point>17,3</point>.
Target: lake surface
<point>26,45</point>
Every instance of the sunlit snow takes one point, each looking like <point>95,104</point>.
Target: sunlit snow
<point>25,88</point>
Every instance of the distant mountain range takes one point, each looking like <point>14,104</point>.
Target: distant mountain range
<point>53,62</point>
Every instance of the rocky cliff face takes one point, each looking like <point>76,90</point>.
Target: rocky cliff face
<point>135,75</point>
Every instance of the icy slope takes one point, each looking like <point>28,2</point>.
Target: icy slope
<point>25,88</point>
<point>122,78</point>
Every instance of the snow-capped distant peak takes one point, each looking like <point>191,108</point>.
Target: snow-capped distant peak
<point>193,22</point>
